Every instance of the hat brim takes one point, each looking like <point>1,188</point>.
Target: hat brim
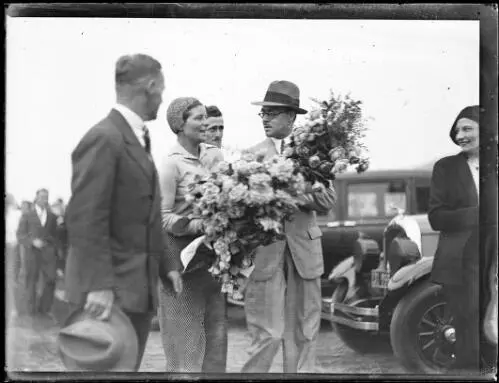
<point>130,353</point>
<point>269,103</point>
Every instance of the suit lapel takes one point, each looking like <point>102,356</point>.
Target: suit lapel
<point>36,218</point>
<point>466,179</point>
<point>133,146</point>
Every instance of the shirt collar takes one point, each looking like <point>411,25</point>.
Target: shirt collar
<point>277,144</point>
<point>133,119</point>
<point>39,210</point>
<point>180,150</point>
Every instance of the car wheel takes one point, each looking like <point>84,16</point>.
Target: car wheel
<point>421,331</point>
<point>360,341</point>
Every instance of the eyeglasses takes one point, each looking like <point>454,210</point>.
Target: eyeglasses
<point>272,115</point>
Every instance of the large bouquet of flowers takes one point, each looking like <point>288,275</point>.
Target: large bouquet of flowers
<point>243,205</point>
<point>329,141</point>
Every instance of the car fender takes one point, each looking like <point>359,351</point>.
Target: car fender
<point>344,270</point>
<point>410,273</point>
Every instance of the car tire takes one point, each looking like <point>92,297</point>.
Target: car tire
<point>411,330</point>
<point>362,342</point>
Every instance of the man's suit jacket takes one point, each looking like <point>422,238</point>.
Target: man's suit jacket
<point>303,235</point>
<point>113,218</point>
<point>453,211</point>
<point>30,227</point>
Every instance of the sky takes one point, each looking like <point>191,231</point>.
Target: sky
<point>413,78</point>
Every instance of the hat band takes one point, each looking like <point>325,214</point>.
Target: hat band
<point>281,98</point>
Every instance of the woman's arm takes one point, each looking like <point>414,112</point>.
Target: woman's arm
<point>442,216</point>
<point>174,223</point>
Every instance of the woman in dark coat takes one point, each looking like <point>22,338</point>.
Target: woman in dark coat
<point>454,211</point>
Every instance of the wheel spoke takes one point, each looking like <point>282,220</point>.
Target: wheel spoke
<point>428,322</point>
<point>431,342</point>
<point>427,333</point>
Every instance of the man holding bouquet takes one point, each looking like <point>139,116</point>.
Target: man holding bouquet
<point>283,296</point>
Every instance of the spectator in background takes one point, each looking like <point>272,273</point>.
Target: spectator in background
<point>12,217</point>
<point>214,130</point>
<point>58,209</point>
<point>26,206</point>
<point>37,234</point>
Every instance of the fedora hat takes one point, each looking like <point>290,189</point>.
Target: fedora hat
<point>282,93</point>
<point>89,344</point>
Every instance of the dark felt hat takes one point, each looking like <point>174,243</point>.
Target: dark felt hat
<point>284,94</point>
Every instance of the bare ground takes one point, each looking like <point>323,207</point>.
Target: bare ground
<point>31,346</point>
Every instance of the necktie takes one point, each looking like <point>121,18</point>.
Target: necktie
<point>147,139</point>
<point>282,146</point>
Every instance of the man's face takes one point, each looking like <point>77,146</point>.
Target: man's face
<point>155,96</point>
<point>42,199</point>
<point>277,121</point>
<point>214,131</point>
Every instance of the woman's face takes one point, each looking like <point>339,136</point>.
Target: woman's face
<point>467,135</point>
<point>194,126</point>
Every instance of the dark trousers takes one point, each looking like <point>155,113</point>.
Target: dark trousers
<point>11,253</point>
<point>463,304</point>
<point>142,324</point>
<point>194,325</point>
<point>39,264</point>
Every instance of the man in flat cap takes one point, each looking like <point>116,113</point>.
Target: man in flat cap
<point>113,218</point>
<point>283,295</point>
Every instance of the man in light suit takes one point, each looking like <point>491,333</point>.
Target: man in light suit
<point>113,218</point>
<point>283,295</point>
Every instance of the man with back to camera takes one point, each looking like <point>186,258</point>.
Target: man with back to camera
<point>113,218</point>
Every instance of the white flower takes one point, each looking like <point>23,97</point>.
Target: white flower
<point>227,288</point>
<point>237,295</point>
<point>214,270</point>
<point>238,193</point>
<point>261,196</point>
<point>259,180</point>
<point>269,224</point>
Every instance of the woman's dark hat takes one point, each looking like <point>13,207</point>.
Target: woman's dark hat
<point>284,94</point>
<point>470,112</point>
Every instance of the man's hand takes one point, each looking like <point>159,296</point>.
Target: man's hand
<point>38,243</point>
<point>176,280</point>
<point>99,304</point>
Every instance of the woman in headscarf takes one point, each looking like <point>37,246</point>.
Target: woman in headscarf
<point>192,313</point>
<point>454,211</point>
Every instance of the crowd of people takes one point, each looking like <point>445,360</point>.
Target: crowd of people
<point>118,242</point>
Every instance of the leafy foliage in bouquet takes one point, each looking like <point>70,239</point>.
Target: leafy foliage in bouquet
<point>330,140</point>
<point>243,205</point>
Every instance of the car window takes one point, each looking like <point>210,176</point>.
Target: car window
<point>376,200</point>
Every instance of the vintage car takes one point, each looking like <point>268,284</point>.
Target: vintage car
<point>384,297</point>
<point>365,204</point>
